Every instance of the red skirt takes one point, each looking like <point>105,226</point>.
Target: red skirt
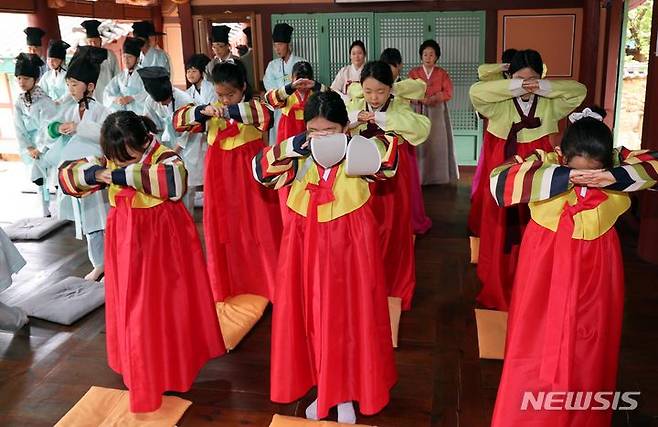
<point>391,205</point>
<point>330,324</point>
<point>161,322</point>
<point>590,323</point>
<point>288,127</point>
<point>420,222</point>
<point>242,224</point>
<point>501,229</point>
<point>478,189</point>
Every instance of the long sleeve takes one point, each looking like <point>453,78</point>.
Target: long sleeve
<point>89,129</point>
<point>565,96</point>
<point>22,135</point>
<point>276,166</point>
<point>253,113</point>
<point>188,118</point>
<point>488,97</point>
<point>490,72</point>
<point>77,178</point>
<point>446,87</point>
<point>114,66</point>
<point>166,62</point>
<point>45,83</point>
<point>151,113</point>
<point>338,85</point>
<point>277,98</point>
<point>112,92</point>
<point>413,127</point>
<point>270,80</point>
<point>533,180</point>
<point>166,179</point>
<point>388,150</point>
<point>638,171</point>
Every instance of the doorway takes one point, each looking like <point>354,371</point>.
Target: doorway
<point>633,67</point>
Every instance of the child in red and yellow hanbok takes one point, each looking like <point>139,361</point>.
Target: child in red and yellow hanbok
<point>330,324</point>
<point>241,220</point>
<point>566,311</point>
<point>161,323</point>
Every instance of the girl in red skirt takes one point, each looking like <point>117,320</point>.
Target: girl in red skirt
<point>291,99</point>
<point>567,302</point>
<point>522,112</point>
<point>241,219</point>
<point>373,112</point>
<point>330,324</point>
<point>160,317</point>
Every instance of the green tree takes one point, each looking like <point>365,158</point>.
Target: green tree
<point>638,35</point>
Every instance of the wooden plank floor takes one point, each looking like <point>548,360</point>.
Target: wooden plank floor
<point>46,368</point>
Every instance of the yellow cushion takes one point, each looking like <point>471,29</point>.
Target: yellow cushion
<point>237,315</point>
<point>492,328</point>
<point>281,421</point>
<point>475,249</point>
<point>106,407</point>
<point>394,312</point>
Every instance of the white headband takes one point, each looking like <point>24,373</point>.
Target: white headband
<point>587,112</point>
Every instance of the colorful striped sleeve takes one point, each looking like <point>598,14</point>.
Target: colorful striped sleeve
<point>637,171</point>
<point>531,181</point>
<point>277,166</point>
<point>277,98</point>
<point>166,179</point>
<point>254,113</point>
<point>77,178</point>
<point>388,150</point>
<point>188,118</point>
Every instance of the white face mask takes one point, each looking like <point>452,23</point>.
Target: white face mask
<point>362,158</point>
<point>329,150</point>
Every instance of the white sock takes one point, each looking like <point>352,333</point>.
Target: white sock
<point>95,274</point>
<point>312,411</point>
<point>346,413</point>
<point>12,318</point>
<point>45,206</point>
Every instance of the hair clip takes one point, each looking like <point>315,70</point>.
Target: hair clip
<point>587,112</point>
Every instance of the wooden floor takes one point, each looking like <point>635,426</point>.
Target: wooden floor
<point>46,368</point>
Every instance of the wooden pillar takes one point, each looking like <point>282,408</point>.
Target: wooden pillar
<point>187,29</point>
<point>46,19</point>
<point>589,51</point>
<point>614,24</point>
<point>266,38</point>
<point>491,40</point>
<point>648,239</point>
<point>156,18</point>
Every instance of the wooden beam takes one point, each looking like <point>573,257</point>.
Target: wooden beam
<point>589,50</point>
<point>611,60</point>
<point>46,19</point>
<point>156,18</point>
<point>17,6</point>
<point>647,247</point>
<point>187,29</point>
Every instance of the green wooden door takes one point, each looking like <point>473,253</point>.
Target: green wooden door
<point>461,37</point>
<point>305,37</point>
<point>324,40</point>
<point>342,30</point>
<point>403,31</point>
